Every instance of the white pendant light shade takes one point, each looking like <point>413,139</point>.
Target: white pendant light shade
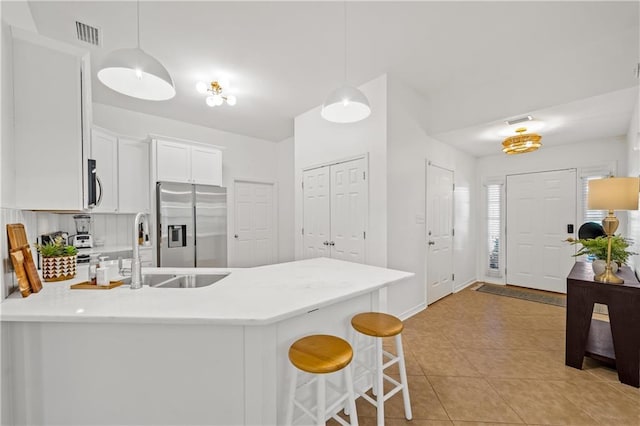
<point>135,73</point>
<point>346,105</point>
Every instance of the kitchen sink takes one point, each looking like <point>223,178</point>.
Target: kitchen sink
<point>178,281</point>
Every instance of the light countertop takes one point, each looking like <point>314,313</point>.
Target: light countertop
<point>246,296</point>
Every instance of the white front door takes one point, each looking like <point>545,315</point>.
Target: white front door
<point>439,233</point>
<point>254,238</point>
<point>348,210</point>
<point>540,206</point>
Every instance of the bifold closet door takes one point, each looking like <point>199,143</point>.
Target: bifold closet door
<point>348,210</point>
<point>316,225</point>
<point>335,211</point>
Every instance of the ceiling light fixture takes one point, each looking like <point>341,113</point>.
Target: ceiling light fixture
<point>216,96</point>
<point>522,142</point>
<point>346,104</point>
<point>133,72</point>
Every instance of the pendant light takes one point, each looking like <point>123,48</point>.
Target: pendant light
<point>346,104</point>
<point>135,73</point>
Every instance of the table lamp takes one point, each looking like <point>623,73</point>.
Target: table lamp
<point>614,193</point>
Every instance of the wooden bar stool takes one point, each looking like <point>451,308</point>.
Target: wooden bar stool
<point>319,355</point>
<point>378,326</point>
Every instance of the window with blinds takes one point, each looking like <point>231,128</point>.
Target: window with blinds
<point>494,227</point>
<point>590,215</point>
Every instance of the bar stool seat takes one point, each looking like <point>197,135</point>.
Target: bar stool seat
<point>322,354</point>
<point>378,325</point>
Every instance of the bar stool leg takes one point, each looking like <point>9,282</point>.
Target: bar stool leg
<point>351,412</point>
<point>403,378</point>
<point>379,380</point>
<point>292,395</point>
<point>321,398</point>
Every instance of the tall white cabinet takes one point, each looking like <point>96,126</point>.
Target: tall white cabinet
<point>52,110</point>
<point>335,211</point>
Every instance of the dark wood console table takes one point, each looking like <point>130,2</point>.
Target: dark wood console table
<point>619,342</point>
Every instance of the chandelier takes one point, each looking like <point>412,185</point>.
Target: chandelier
<point>216,95</point>
<point>522,142</point>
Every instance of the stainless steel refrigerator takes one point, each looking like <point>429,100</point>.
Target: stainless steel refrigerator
<point>191,225</point>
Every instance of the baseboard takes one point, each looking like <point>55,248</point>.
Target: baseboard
<point>411,312</point>
<point>462,286</point>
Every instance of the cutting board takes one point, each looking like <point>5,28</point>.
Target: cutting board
<point>17,259</point>
<point>18,241</point>
<point>86,286</point>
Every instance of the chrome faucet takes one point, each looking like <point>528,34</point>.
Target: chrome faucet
<point>136,266</point>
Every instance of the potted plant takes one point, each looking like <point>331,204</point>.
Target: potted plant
<point>597,248</point>
<point>58,260</point>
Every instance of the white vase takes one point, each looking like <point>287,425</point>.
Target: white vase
<point>600,265</point>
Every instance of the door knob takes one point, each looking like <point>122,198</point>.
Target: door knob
<point>326,243</point>
<point>431,243</point>
<point>331,243</point>
<point>235,236</point>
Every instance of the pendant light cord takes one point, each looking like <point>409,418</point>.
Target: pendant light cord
<point>138,19</point>
<point>345,41</point>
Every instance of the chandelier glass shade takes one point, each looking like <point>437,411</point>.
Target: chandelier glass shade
<point>346,105</point>
<point>133,72</point>
<point>216,95</point>
<point>522,142</point>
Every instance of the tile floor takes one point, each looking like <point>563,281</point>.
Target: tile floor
<point>478,359</point>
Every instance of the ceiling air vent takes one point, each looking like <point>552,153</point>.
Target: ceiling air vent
<point>519,120</point>
<point>88,34</point>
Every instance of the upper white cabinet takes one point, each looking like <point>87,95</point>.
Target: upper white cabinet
<point>52,102</point>
<point>122,167</point>
<point>104,149</point>
<point>133,176</point>
<point>189,163</point>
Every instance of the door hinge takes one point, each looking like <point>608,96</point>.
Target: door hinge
<point>454,186</point>
<point>453,277</point>
<point>364,175</point>
<point>453,232</point>
<point>302,183</point>
<point>364,235</point>
<point>302,231</point>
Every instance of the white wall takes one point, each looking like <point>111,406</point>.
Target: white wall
<point>244,157</point>
<point>578,155</point>
<point>409,147</point>
<point>633,169</point>
<point>286,216</point>
<point>318,141</point>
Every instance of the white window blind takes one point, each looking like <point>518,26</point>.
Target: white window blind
<point>590,215</point>
<point>494,227</point>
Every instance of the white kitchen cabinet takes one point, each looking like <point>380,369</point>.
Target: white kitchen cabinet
<point>134,194</point>
<point>188,163</point>
<point>104,149</point>
<point>52,113</point>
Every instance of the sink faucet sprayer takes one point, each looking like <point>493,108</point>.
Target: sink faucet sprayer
<point>136,267</point>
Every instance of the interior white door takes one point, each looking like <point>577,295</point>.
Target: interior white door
<point>254,224</point>
<point>439,233</point>
<point>539,208</point>
<point>316,213</point>
<point>348,210</point>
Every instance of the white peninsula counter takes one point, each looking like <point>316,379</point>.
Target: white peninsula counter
<point>213,355</point>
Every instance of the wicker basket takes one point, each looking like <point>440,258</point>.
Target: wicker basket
<point>59,268</point>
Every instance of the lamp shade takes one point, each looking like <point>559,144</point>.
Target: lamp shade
<point>135,73</point>
<point>614,193</point>
<point>346,105</point>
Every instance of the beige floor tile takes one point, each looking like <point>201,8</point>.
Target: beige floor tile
<point>445,362</point>
<point>467,398</point>
<point>629,391</point>
<point>538,402</point>
<point>601,401</point>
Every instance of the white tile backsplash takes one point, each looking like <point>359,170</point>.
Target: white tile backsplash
<point>114,230</point>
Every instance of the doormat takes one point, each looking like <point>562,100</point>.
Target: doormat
<point>534,296</point>
<point>524,294</point>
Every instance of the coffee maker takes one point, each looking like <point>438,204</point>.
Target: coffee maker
<point>83,238</point>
